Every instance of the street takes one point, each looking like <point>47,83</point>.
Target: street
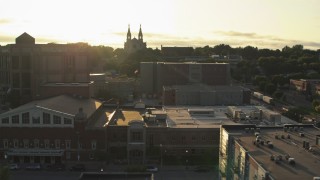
<point>167,173</point>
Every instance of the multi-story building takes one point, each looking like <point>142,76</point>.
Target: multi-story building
<point>267,153</point>
<point>53,130</point>
<point>118,87</point>
<point>155,75</point>
<point>203,95</point>
<point>30,70</point>
<point>305,86</point>
<point>71,128</point>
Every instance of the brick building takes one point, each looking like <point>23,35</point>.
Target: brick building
<point>27,68</point>
<point>252,152</point>
<point>71,128</point>
<point>155,75</point>
<point>203,95</point>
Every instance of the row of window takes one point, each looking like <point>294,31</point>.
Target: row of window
<point>35,144</point>
<point>46,119</point>
<point>44,144</point>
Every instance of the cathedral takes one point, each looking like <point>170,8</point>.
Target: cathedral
<point>133,45</point>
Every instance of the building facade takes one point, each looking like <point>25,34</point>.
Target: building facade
<point>155,75</point>
<point>25,67</point>
<point>51,131</point>
<point>133,44</point>
<point>268,153</point>
<point>203,95</point>
<point>65,129</point>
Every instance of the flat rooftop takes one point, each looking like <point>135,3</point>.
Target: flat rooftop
<point>119,117</point>
<point>307,161</point>
<point>183,117</point>
<point>202,87</point>
<point>82,84</point>
<point>179,117</point>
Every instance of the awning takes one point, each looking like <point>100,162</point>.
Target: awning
<point>35,152</point>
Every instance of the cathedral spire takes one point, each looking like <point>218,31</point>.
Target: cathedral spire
<point>140,36</point>
<point>129,33</point>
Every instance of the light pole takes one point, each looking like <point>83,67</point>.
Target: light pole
<point>78,147</point>
<point>161,160</point>
<point>186,159</point>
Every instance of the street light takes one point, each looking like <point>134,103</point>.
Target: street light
<point>161,162</point>
<point>78,149</point>
<point>186,159</point>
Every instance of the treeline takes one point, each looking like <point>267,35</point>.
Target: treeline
<point>267,62</point>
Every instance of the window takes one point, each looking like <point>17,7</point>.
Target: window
<point>183,138</point>
<point>91,156</point>
<point>36,143</point>
<point>68,144</point>
<point>57,143</point>
<point>15,119</point>
<point>35,120</point>
<point>15,143</point>
<point>46,144</point>
<point>136,136</point>
<point>26,143</point>
<point>5,143</point>
<point>46,118</point>
<point>5,120</point>
<point>56,119</point>
<point>67,121</point>
<point>68,154</point>
<point>94,145</point>
<point>25,118</point>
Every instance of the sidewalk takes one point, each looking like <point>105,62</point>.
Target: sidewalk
<point>96,166</point>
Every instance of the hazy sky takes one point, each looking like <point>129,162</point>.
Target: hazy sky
<point>262,23</point>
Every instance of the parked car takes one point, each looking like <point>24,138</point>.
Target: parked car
<point>33,167</point>
<point>14,166</point>
<point>151,169</point>
<point>78,167</point>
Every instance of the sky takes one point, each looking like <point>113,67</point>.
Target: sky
<point>269,24</point>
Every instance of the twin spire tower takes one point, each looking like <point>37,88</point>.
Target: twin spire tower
<point>133,44</point>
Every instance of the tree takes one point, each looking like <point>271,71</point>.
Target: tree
<point>270,88</point>
<point>262,85</point>
<point>4,173</point>
<point>258,79</point>
<point>315,103</point>
<point>278,94</point>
